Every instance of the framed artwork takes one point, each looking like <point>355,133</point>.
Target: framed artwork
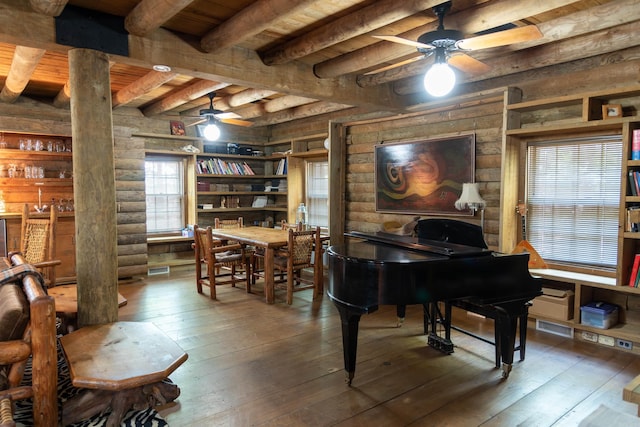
<point>611,111</point>
<point>424,176</point>
<point>177,128</point>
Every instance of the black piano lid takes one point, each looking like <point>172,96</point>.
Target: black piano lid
<point>421,245</point>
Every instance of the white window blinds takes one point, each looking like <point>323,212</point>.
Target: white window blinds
<point>165,194</point>
<point>317,192</point>
<point>573,199</point>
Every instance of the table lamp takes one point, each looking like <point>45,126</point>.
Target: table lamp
<point>470,198</point>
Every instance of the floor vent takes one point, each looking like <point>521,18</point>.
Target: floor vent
<point>554,328</point>
<point>153,271</point>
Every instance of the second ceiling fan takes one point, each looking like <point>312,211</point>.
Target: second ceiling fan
<point>212,115</point>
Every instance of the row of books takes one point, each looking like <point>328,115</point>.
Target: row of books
<point>634,182</point>
<point>221,167</point>
<point>634,278</point>
<point>281,169</point>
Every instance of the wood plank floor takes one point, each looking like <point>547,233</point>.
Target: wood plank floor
<point>253,364</point>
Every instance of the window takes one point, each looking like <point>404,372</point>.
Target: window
<point>573,200</point>
<point>318,193</point>
<point>165,194</point>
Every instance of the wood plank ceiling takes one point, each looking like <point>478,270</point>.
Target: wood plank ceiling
<point>273,61</point>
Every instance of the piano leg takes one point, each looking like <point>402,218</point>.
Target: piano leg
<point>401,311</point>
<point>508,315</point>
<point>350,321</point>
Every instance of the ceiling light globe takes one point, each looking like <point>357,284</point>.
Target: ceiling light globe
<point>211,132</point>
<point>439,80</point>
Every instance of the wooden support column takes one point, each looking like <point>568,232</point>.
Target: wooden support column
<point>94,187</point>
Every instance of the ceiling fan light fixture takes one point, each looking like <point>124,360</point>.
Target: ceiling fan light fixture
<point>439,80</point>
<point>211,131</point>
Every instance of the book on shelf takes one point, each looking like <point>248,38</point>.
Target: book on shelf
<point>633,219</point>
<point>635,145</point>
<point>633,278</point>
<point>632,184</point>
<point>281,169</point>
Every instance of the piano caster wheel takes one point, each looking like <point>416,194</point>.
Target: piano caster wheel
<point>349,378</point>
<point>400,322</point>
<point>506,369</point>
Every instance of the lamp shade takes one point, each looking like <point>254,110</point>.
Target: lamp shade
<point>470,197</point>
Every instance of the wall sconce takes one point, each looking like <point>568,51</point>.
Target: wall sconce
<point>470,198</point>
<point>440,79</point>
<point>211,131</point>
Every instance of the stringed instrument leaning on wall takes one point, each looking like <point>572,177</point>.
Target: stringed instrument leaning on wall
<point>535,260</point>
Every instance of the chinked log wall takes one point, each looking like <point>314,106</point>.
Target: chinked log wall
<point>482,117</point>
<point>130,202</point>
<point>32,117</point>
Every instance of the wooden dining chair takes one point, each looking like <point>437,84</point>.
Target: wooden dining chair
<point>295,257</point>
<point>228,223</point>
<point>38,243</point>
<point>257,256</point>
<point>221,262</point>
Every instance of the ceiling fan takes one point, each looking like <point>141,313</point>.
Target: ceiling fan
<point>211,115</point>
<point>449,46</point>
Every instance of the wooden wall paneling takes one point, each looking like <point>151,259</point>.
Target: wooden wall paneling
<point>337,156</point>
<point>510,178</point>
<point>129,154</point>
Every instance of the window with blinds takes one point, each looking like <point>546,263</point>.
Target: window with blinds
<point>165,194</point>
<point>573,199</point>
<point>317,193</point>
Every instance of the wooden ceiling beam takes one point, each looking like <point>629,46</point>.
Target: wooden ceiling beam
<point>234,65</point>
<point>149,15</point>
<point>367,19</point>
<point>301,112</point>
<point>279,104</point>
<point>150,81</point>
<point>468,21</point>
<point>583,22</point>
<point>48,7</point>
<point>250,21</point>
<point>247,96</point>
<point>63,98</point>
<point>285,102</point>
<point>25,60</point>
<point>189,93</point>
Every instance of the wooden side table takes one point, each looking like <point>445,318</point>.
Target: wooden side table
<point>121,364</point>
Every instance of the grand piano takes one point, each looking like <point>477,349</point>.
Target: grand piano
<point>375,269</point>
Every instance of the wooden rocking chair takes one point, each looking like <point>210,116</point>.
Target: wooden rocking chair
<point>38,243</point>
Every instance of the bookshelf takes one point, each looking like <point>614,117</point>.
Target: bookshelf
<point>230,185</point>
<point>580,115</point>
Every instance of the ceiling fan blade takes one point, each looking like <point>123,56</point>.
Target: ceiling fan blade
<point>228,115</point>
<point>396,39</point>
<point>468,64</point>
<point>501,38</point>
<point>236,122</point>
<point>198,122</point>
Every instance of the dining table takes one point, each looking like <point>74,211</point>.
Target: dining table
<point>269,239</point>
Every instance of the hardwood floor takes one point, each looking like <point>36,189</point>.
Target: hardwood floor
<point>253,364</point>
